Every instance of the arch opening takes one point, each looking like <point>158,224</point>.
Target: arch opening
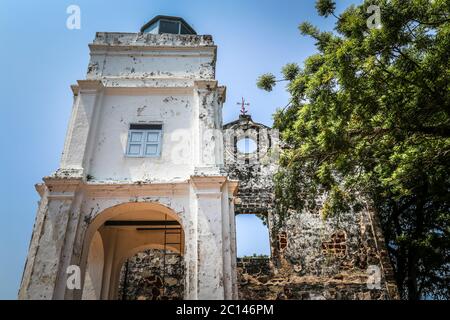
<point>252,237</point>
<point>125,231</point>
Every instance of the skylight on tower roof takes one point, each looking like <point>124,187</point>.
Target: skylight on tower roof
<point>167,24</point>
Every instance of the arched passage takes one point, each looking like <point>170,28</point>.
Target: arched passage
<point>125,230</point>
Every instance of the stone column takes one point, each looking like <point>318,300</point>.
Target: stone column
<point>207,136</point>
<point>232,190</point>
<point>212,278</point>
<point>229,236</point>
<point>191,252</point>
<point>87,94</point>
<point>46,248</point>
<point>209,264</point>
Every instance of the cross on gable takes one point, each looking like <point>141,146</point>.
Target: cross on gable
<point>243,105</point>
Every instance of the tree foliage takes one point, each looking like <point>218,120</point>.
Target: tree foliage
<point>266,82</point>
<point>369,117</point>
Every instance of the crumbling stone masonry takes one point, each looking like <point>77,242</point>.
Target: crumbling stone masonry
<point>342,257</point>
<point>152,275</point>
<point>254,170</point>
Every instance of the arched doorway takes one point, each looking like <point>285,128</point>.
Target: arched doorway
<point>124,231</point>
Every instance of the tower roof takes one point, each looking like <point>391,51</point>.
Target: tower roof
<point>167,24</point>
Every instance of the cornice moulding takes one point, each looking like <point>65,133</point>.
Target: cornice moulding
<point>62,185</point>
<point>233,187</point>
<point>90,85</point>
<point>126,49</point>
<point>223,93</point>
<point>202,183</point>
<point>206,84</point>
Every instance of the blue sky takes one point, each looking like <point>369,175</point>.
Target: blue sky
<point>252,236</point>
<point>40,58</point>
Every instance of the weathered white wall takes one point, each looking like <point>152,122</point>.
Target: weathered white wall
<point>131,55</point>
<point>109,161</point>
<point>161,64</point>
<point>135,78</point>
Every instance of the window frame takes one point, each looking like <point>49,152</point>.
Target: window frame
<point>170,21</point>
<point>144,142</point>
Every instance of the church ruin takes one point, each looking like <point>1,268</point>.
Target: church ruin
<point>150,181</point>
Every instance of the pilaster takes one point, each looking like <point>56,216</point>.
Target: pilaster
<point>49,234</point>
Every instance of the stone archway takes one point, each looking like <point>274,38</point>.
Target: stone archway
<point>124,230</point>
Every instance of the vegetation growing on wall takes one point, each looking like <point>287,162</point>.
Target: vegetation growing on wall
<point>369,117</point>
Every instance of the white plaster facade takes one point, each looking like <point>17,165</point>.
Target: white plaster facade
<point>137,78</point>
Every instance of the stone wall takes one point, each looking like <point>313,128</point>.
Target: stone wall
<point>143,277</point>
<point>254,170</point>
<point>316,259</point>
<point>258,282</point>
<point>341,257</point>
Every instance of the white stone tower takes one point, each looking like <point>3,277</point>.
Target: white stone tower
<point>141,168</point>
